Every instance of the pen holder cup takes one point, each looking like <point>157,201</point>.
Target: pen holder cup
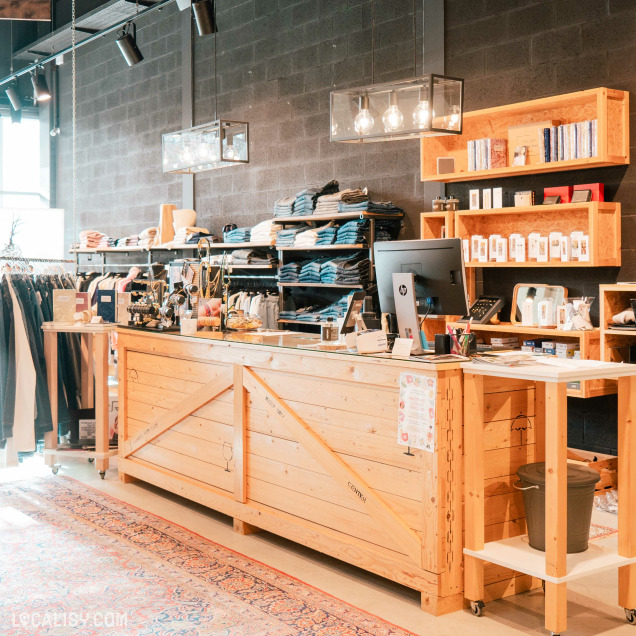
<point>466,344</point>
<point>442,344</point>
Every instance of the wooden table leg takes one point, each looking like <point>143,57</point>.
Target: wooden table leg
<point>101,346</point>
<point>474,484</point>
<point>50,355</point>
<point>627,484</point>
<point>556,520</point>
<point>86,387</point>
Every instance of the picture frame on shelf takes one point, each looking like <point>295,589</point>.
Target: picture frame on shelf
<point>473,199</point>
<point>551,200</point>
<point>581,196</point>
<point>520,156</point>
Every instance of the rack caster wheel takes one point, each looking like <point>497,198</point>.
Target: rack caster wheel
<point>91,460</point>
<point>477,608</point>
<point>102,473</point>
<point>630,615</point>
<point>54,470</point>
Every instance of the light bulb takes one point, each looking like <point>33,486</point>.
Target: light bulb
<point>231,153</point>
<point>203,151</point>
<point>392,119</point>
<point>363,122</point>
<point>454,117</point>
<point>420,115</point>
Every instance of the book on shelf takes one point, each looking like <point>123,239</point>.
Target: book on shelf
<point>577,140</point>
<point>486,154</point>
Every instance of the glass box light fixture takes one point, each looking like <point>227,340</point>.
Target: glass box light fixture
<point>426,106</point>
<point>218,144</point>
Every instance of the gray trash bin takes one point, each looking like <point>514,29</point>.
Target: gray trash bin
<point>581,482</point>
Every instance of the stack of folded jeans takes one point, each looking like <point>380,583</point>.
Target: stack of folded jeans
<point>326,234</point>
<point>335,310</point>
<point>252,257</point>
<point>310,271</point>
<point>349,270</point>
<point>284,206</point>
<point>289,273</point>
<point>353,232</point>
<point>305,202</point>
<point>355,196</point>
<point>239,235</point>
<point>286,238</point>
<point>370,206</point>
<point>328,203</point>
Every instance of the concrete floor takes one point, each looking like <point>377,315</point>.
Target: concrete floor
<point>592,602</point>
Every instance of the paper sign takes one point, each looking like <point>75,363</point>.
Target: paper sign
<point>416,414</point>
<point>402,347</point>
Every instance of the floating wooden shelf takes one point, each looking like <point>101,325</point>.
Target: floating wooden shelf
<point>336,216</point>
<point>601,221</point>
<point>334,285</point>
<point>292,248</point>
<point>609,107</point>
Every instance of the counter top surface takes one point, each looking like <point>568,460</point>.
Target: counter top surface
<point>299,342</point>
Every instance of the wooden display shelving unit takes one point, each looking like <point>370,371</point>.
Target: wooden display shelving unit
<point>615,343</point>
<point>599,220</point>
<point>589,344</point>
<point>434,225</point>
<point>609,107</point>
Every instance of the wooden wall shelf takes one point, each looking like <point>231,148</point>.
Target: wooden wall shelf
<point>434,225</point>
<point>600,220</point>
<point>609,107</point>
<point>615,343</point>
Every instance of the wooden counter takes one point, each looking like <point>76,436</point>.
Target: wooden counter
<point>306,449</point>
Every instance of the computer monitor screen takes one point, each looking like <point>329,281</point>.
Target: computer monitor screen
<point>438,268</point>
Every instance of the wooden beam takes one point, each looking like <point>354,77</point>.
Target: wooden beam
<point>240,436</point>
<point>337,468</point>
<point>186,407</point>
<point>25,10</point>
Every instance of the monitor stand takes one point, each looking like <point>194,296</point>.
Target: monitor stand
<point>406,311</point>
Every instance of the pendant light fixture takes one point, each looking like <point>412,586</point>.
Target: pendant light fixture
<point>204,17</point>
<point>428,105</point>
<point>218,144</point>
<point>12,91</point>
<point>127,43</point>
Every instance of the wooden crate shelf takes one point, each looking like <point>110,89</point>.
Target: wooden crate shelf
<point>600,220</point>
<point>434,225</point>
<point>615,343</point>
<point>609,107</point>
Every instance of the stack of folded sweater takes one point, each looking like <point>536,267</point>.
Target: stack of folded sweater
<point>349,270</point>
<point>372,207</point>
<point>183,234</point>
<point>148,237</point>
<point>328,203</point>
<point>308,238</point>
<point>284,206</point>
<point>90,239</point>
<point>252,257</point>
<point>106,241</point>
<point>265,232</point>
<point>306,199</point>
<point>355,196</point>
<point>310,271</point>
<point>286,238</point>
<point>239,235</point>
<point>128,241</point>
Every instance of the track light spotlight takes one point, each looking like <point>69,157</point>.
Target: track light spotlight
<point>127,43</point>
<point>16,116</point>
<point>204,16</point>
<point>14,96</point>
<point>40,89</point>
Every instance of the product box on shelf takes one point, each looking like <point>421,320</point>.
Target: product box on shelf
<point>565,192</point>
<point>528,135</point>
<point>597,189</point>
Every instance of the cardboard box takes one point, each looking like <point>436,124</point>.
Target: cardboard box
<point>529,135</point>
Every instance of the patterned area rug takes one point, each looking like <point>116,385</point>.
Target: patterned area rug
<point>600,532</point>
<point>78,562</point>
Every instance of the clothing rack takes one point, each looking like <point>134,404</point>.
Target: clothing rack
<point>35,260</point>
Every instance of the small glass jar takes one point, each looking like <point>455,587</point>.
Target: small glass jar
<point>329,330</point>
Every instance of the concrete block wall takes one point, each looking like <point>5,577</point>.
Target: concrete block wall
<point>277,62</point>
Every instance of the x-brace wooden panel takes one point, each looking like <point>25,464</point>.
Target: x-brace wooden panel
<point>175,415</point>
<point>404,537</point>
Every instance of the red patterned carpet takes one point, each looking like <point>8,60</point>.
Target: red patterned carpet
<point>78,562</point>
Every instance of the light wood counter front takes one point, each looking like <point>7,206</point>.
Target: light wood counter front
<point>302,444</point>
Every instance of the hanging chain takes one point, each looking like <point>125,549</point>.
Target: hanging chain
<point>414,40</point>
<point>216,88</point>
<point>11,30</point>
<point>74,123</point>
<point>372,41</point>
